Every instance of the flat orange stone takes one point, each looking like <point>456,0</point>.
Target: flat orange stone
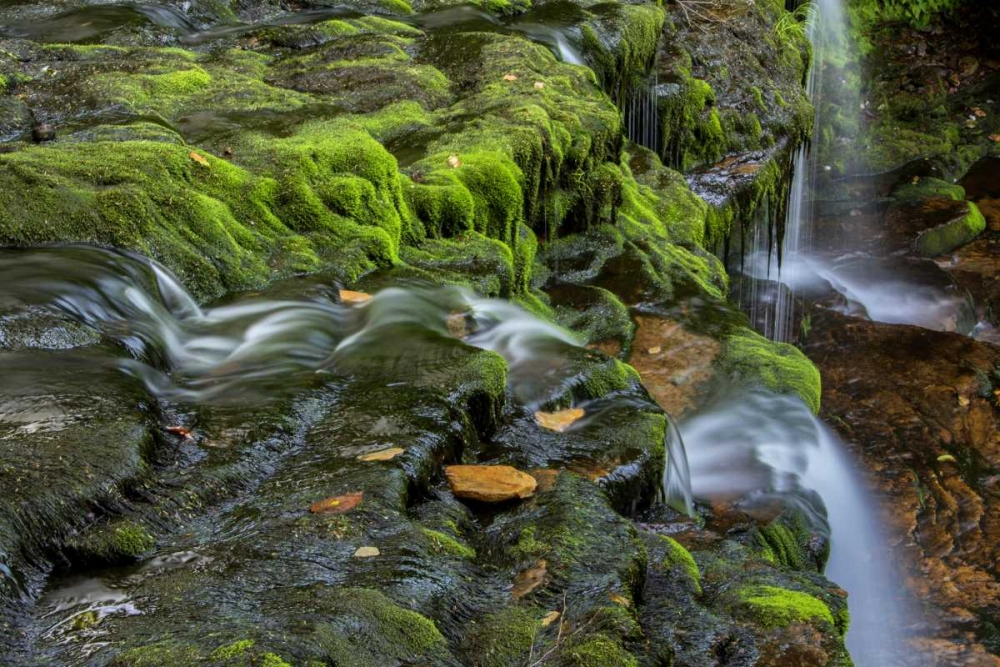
<point>489,483</point>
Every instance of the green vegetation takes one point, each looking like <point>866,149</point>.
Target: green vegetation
<point>780,367</point>
<point>777,607</point>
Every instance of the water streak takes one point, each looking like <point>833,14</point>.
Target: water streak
<point>759,445</point>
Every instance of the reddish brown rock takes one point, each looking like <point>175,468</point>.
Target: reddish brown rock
<point>489,483</point>
<point>907,401</point>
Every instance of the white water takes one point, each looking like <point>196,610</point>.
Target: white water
<point>759,444</point>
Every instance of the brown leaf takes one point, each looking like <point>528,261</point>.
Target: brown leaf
<point>529,579</point>
<point>454,161</point>
<point>995,138</point>
<point>382,454</point>
<point>456,325</point>
<point>182,431</point>
<point>347,296</point>
<point>655,350</point>
<point>561,420</point>
<point>510,77</point>
<point>199,159</point>
<point>978,112</point>
<point>337,504</point>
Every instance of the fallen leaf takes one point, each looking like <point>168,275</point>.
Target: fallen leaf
<point>978,112</point>
<point>454,162</point>
<point>550,618</point>
<point>946,458</point>
<point>382,454</point>
<point>182,431</point>
<point>561,420</point>
<point>995,138</point>
<point>228,150</point>
<point>337,504</point>
<point>367,552</point>
<point>510,77</point>
<point>456,325</point>
<point>620,600</point>
<point>655,350</point>
<point>199,159</point>
<point>963,401</point>
<point>529,579</point>
<point>347,296</point>
<point>539,85</point>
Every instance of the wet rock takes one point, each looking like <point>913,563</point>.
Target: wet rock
<point>901,397</point>
<point>490,483</point>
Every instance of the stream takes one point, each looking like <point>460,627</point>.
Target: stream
<point>502,334</point>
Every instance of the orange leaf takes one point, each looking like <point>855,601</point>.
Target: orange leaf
<point>182,431</point>
<point>979,113</point>
<point>337,504</point>
<point>199,159</point>
<point>995,138</point>
<point>529,579</point>
<point>561,420</point>
<point>347,296</point>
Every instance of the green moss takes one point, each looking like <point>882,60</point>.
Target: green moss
<point>914,193</point>
<point>231,651</point>
<point>600,651</point>
<point>445,543</point>
<point>160,654</point>
<point>780,367</point>
<point>778,607</point>
<point>115,542</point>
<point>272,660</point>
<point>371,630</point>
<point>954,234</point>
<point>504,638</point>
<point>678,556</point>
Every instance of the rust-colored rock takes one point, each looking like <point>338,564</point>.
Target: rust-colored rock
<point>490,483</point>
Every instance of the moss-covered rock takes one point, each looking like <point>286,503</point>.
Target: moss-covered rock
<point>779,367</point>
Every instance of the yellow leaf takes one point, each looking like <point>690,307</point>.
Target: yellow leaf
<point>510,77</point>
<point>550,618</point>
<point>655,350</point>
<point>561,420</point>
<point>946,458</point>
<point>382,454</point>
<point>620,600</point>
<point>199,159</point>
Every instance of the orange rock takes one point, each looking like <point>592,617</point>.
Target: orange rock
<point>561,420</point>
<point>489,483</point>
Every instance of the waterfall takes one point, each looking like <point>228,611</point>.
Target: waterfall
<point>773,309</point>
<point>642,117</point>
<point>759,445</point>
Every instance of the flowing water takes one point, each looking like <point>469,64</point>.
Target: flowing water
<point>757,446</point>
